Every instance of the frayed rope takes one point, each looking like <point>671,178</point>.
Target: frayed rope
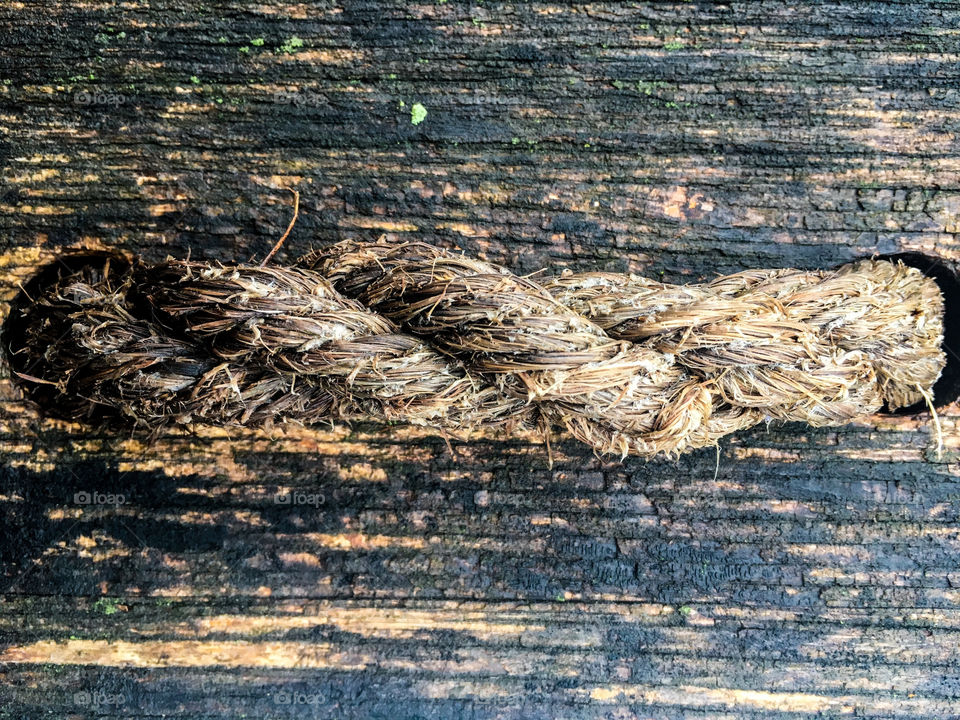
<point>404,331</point>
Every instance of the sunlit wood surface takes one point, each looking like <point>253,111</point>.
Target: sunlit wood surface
<point>796,574</point>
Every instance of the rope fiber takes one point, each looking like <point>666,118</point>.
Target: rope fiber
<point>407,332</point>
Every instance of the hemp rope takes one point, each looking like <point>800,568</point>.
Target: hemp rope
<point>404,331</point>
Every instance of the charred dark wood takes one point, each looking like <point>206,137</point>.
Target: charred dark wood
<point>810,572</point>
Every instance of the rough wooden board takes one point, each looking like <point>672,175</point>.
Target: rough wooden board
<point>809,573</point>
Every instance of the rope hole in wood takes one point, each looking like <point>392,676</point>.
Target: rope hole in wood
<point>946,390</point>
<point>407,332</point>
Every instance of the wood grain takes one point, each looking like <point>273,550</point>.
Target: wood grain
<point>799,573</point>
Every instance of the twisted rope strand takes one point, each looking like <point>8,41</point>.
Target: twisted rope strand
<point>407,332</point>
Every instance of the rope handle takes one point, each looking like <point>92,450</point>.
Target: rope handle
<point>405,331</point>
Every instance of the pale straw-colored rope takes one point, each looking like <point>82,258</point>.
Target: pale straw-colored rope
<point>400,331</point>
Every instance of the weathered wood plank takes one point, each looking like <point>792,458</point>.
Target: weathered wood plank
<point>799,573</point>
